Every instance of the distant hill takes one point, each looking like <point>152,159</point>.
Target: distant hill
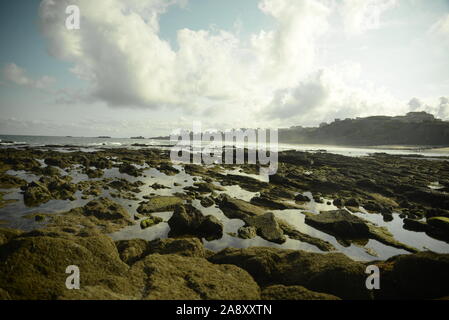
<point>415,128</point>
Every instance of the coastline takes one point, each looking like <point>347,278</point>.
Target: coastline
<point>137,210</point>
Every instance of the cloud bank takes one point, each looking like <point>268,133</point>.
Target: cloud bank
<point>14,74</point>
<point>275,77</point>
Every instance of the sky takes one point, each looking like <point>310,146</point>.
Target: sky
<point>148,67</point>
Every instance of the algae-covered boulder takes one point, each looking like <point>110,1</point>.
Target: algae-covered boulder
<point>280,292</point>
<point>340,223</point>
<point>8,181</point>
<point>134,250</point>
<point>247,232</point>
<point>423,275</point>
<point>105,209</point>
<point>167,168</point>
<point>36,193</point>
<point>51,171</point>
<point>47,188</point>
<point>238,209</point>
<point>100,215</point>
<point>415,225</point>
<point>267,227</point>
<point>130,169</point>
<point>175,277</point>
<point>7,234</point>
<point>207,202</point>
<point>159,204</point>
<point>57,162</point>
<point>271,203</point>
<point>189,247</point>
<point>125,185</point>
<point>210,228</point>
<point>441,223</point>
<point>332,273</point>
<point>149,222</point>
<point>188,220</point>
<point>204,187</point>
<point>34,265</point>
<point>303,237</point>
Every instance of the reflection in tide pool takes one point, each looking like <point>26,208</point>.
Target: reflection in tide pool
<point>419,240</point>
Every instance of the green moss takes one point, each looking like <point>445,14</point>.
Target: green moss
<point>159,204</point>
<point>149,222</point>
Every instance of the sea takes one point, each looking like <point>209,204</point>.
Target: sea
<point>94,143</point>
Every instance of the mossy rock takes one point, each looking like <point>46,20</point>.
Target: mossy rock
<point>149,222</point>
<point>280,292</point>
<point>332,273</point>
<point>439,222</point>
<point>207,202</point>
<point>134,250</point>
<point>8,181</point>
<point>159,204</point>
<point>35,264</point>
<point>175,277</point>
<point>38,217</point>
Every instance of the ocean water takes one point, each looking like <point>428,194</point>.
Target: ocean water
<point>97,142</point>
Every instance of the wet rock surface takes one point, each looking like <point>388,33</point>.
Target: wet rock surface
<point>109,190</point>
<point>187,220</point>
<point>280,292</point>
<point>332,273</point>
<point>159,204</point>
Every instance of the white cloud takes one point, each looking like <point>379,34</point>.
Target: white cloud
<point>362,15</point>
<point>272,78</point>
<point>325,96</point>
<point>439,107</point>
<point>17,75</point>
<point>119,52</point>
<point>441,27</point>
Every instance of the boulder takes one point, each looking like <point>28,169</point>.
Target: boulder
<point>270,203</point>
<point>332,273</point>
<point>131,251</point>
<point>204,187</point>
<point>423,275</point>
<point>441,223</point>
<point>8,181</point>
<point>34,266</point>
<point>175,277</point>
<point>207,202</point>
<point>247,232</point>
<point>188,247</point>
<point>281,292</point>
<point>187,220</point>
<point>130,169</point>
<point>267,227</point>
<point>159,204</point>
<point>238,209</point>
<point>35,194</point>
<point>340,223</point>
<point>301,198</point>
<point>106,209</point>
<point>297,235</point>
<point>415,225</point>
<point>149,222</point>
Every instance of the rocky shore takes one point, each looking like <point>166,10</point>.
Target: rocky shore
<point>336,200</point>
